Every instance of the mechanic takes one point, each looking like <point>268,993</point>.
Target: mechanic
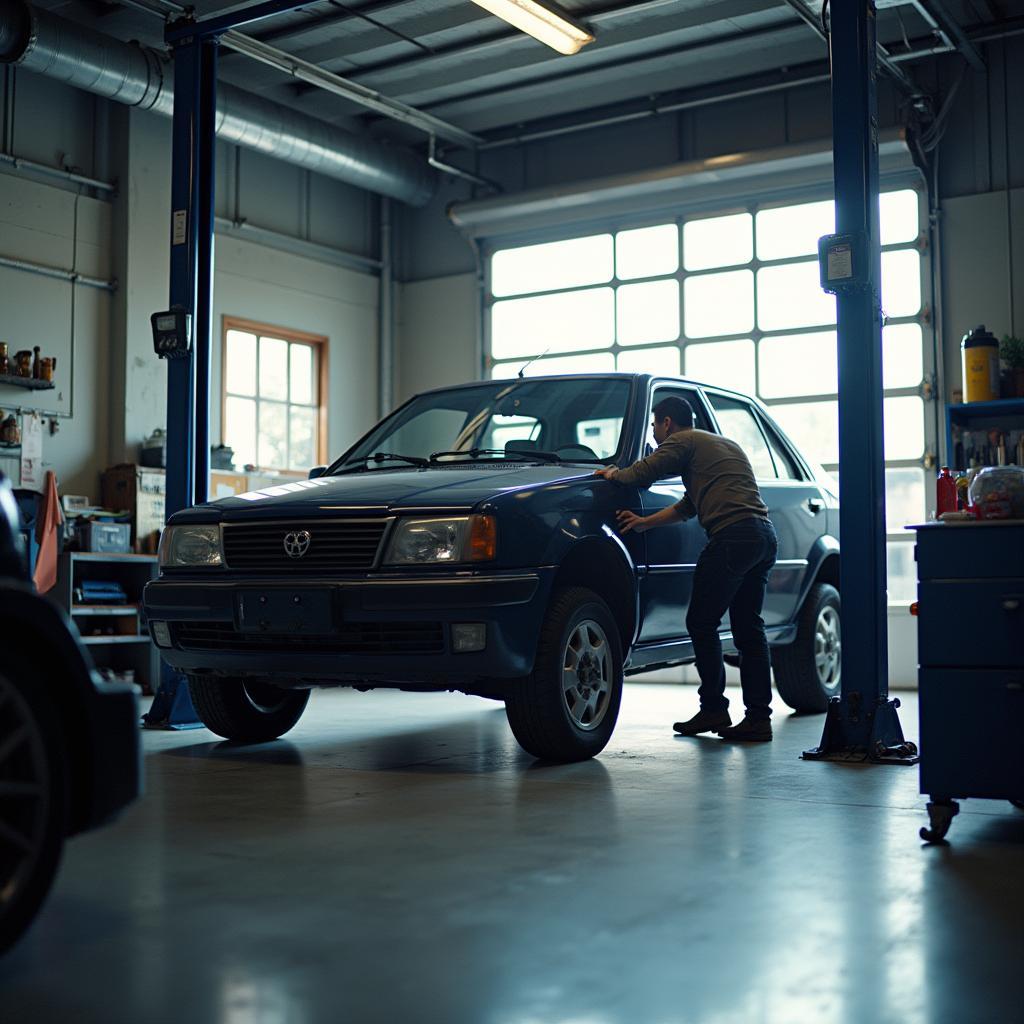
<point>732,570</point>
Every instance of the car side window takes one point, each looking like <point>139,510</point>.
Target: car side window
<point>739,423</point>
<point>784,462</point>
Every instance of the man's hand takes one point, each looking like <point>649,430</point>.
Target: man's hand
<point>608,472</point>
<point>630,521</point>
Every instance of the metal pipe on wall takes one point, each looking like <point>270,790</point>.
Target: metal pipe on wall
<point>59,273</point>
<point>138,76</point>
<point>386,327</point>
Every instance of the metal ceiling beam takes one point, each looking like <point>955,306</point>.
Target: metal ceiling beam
<point>937,15</point>
<point>304,71</point>
<point>319,21</point>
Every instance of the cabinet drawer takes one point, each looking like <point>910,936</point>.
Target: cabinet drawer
<point>971,622</point>
<point>970,552</point>
<point>972,733</point>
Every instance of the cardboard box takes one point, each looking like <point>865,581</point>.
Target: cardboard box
<point>140,491</point>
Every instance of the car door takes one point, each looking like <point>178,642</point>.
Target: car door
<point>671,552</point>
<point>794,501</point>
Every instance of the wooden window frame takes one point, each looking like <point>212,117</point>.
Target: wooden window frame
<point>317,341</point>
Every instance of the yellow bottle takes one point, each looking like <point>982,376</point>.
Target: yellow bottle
<point>980,355</point>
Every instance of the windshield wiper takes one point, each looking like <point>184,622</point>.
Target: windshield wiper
<point>533,455</point>
<point>413,460</point>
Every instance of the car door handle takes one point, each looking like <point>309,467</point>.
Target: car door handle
<point>815,505</point>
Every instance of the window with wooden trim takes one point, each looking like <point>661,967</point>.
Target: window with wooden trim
<point>274,415</point>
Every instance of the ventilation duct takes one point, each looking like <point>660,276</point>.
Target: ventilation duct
<point>138,76</point>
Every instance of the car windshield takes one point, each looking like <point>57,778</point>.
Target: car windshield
<point>577,419</point>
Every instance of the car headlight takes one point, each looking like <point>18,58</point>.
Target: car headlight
<point>435,541</point>
<point>191,545</point>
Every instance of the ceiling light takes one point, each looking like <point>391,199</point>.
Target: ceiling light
<point>543,21</point>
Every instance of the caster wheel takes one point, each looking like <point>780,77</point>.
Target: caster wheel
<point>940,817</point>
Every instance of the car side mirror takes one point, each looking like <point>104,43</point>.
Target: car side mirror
<point>317,471</point>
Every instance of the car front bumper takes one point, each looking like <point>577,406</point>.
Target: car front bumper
<point>384,630</point>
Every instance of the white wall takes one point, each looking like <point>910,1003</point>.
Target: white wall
<point>37,224</point>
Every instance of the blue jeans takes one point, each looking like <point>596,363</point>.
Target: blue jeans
<point>731,575</point>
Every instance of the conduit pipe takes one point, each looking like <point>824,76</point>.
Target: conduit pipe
<point>139,76</point>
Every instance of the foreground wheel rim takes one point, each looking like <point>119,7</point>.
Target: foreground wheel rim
<point>587,675</point>
<point>828,648</point>
<point>264,697</point>
<point>24,793</point>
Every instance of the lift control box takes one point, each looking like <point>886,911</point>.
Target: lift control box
<point>172,334</point>
<point>843,262</point>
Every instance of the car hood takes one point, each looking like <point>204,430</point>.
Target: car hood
<point>453,488</point>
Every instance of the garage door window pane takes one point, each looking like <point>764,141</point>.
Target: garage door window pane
<point>664,360</point>
<point>597,362</point>
<point>240,429</point>
<point>719,304</point>
<point>647,252</point>
<point>240,363</point>
<point>791,296</point>
<point>813,426</point>
<point>901,282</point>
<point>570,321</point>
<point>901,572</point>
<point>541,268</point>
<point>898,213</point>
<point>718,241</point>
<point>904,428</point>
<point>273,368</point>
<point>902,360</point>
<point>904,498</point>
<point>793,230</point>
<point>648,313</point>
<point>729,364</point>
<point>798,364</point>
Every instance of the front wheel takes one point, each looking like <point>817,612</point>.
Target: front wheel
<point>246,710</point>
<point>807,671</point>
<point>566,709</point>
<point>33,801</point>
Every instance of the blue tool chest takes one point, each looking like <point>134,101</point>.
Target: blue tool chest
<point>971,664</point>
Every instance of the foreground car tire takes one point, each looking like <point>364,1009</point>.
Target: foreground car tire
<point>807,671</point>
<point>33,801</point>
<point>567,708</point>
<point>246,710</point>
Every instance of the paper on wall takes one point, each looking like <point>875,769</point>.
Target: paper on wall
<point>32,475</point>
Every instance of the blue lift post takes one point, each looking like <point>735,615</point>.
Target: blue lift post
<point>862,723</point>
<point>195,45</point>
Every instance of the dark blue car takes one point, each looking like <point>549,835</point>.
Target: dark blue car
<point>465,544</point>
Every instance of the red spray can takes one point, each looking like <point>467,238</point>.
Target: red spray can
<point>945,492</point>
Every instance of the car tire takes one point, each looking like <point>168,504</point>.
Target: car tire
<point>807,671</point>
<point>34,800</point>
<point>566,709</point>
<point>246,710</point>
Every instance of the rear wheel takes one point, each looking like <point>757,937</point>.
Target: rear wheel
<point>246,710</point>
<point>807,671</point>
<point>33,801</point>
<point>566,709</point>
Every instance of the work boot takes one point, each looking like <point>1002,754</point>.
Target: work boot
<point>704,721</point>
<point>750,730</point>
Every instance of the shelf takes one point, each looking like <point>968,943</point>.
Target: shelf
<point>98,641</point>
<point>26,382</point>
<point>1012,406</point>
<point>105,609</point>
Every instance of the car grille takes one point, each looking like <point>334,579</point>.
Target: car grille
<point>334,544</point>
<point>350,638</point>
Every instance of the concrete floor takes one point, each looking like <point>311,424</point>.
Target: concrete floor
<point>398,859</point>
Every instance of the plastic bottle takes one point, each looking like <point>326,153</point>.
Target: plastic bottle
<point>945,492</point>
<point>980,361</point>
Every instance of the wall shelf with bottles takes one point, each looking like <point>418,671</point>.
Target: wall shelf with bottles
<point>968,425</point>
<point>31,383</point>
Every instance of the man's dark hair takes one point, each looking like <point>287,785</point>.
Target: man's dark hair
<point>678,410</point>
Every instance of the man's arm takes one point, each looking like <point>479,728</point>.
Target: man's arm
<point>667,461</point>
<point>685,507</point>
<point>641,524</point>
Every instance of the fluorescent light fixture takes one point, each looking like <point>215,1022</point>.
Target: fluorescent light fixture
<point>543,21</point>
